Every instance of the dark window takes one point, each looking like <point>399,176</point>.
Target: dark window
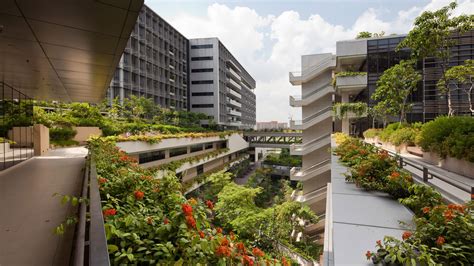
<point>197,147</point>
<point>178,151</point>
<point>202,82</point>
<point>202,93</point>
<point>208,146</point>
<point>200,169</point>
<point>222,145</point>
<point>201,46</point>
<point>151,156</point>
<point>201,58</point>
<point>200,70</point>
<point>202,105</point>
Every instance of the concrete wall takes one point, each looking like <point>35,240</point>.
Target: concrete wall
<point>22,136</point>
<point>84,133</point>
<point>41,139</point>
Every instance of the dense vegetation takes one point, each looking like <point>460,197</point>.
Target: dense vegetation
<point>148,220</point>
<point>283,158</point>
<point>443,233</point>
<point>445,136</point>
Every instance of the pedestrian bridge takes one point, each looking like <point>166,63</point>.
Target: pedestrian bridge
<point>268,139</point>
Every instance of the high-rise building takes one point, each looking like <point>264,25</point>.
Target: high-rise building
<point>272,125</point>
<point>220,86</point>
<point>154,64</point>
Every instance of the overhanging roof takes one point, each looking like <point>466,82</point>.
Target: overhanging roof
<point>64,50</point>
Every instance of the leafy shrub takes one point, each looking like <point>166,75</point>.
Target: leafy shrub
<point>340,137</point>
<point>406,135</point>
<point>421,196</point>
<point>388,131</point>
<point>61,133</point>
<point>371,133</point>
<point>449,136</point>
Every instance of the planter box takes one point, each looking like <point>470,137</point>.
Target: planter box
<point>415,150</point>
<point>451,164</point>
<point>400,149</point>
<point>84,133</point>
<point>371,140</point>
<point>4,147</point>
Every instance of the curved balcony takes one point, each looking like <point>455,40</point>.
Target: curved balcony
<point>303,149</point>
<point>298,78</point>
<point>297,174</point>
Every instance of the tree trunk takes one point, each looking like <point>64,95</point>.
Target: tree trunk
<point>469,98</point>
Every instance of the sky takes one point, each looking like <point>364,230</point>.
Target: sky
<point>269,37</point>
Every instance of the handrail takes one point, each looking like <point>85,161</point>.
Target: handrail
<point>316,90</point>
<point>312,68</point>
<point>427,174</point>
<point>90,245</point>
<point>316,166</point>
<point>314,141</point>
<point>320,112</point>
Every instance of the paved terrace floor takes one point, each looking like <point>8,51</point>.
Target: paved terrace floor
<point>360,218</point>
<point>29,213</point>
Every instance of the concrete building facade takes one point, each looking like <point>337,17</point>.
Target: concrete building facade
<point>272,125</point>
<point>219,86</point>
<point>154,64</point>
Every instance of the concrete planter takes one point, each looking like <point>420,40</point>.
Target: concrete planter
<point>415,150</point>
<point>371,140</point>
<point>399,149</point>
<point>4,147</point>
<point>84,133</point>
<point>451,164</point>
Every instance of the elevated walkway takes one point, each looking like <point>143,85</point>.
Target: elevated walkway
<point>29,213</point>
<point>268,139</point>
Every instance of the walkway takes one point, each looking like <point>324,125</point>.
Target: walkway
<point>452,193</point>
<point>360,218</point>
<point>29,213</point>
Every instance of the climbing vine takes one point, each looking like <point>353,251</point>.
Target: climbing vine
<point>342,109</point>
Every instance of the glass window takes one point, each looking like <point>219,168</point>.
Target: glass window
<point>178,151</point>
<point>196,148</point>
<point>208,146</point>
<point>151,156</point>
<point>200,169</point>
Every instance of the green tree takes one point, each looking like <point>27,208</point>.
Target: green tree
<point>394,87</point>
<point>364,35</point>
<point>431,37</point>
<point>461,77</point>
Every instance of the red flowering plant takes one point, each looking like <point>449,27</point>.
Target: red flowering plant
<point>149,221</point>
<point>443,235</point>
<point>353,151</point>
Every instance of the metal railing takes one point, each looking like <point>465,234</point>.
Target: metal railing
<point>90,243</point>
<point>427,174</point>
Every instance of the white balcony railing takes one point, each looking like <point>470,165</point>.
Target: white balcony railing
<point>300,77</point>
<point>233,73</point>
<point>234,84</point>
<point>301,175</point>
<point>234,112</point>
<point>303,149</point>
<point>234,103</point>
<point>233,93</point>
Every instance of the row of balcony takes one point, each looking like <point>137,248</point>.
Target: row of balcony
<point>233,94</point>
<point>234,103</point>
<point>298,78</point>
<point>303,149</point>
<point>233,112</point>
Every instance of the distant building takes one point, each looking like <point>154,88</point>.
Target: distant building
<point>220,85</point>
<point>271,125</point>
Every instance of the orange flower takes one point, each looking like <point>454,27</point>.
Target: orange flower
<point>149,220</point>
<point>426,210</point>
<point>166,221</point>
<point>368,254</point>
<point>448,215</point>
<point>284,262</point>
<point>102,180</point>
<point>232,236</point>
<point>257,252</point>
<point>190,221</point>
<point>240,247</point>
<point>187,209</point>
<point>139,195</point>
<point>379,243</point>
<point>209,204</point>
<point>223,251</point>
<point>109,212</point>
<point>246,260</point>
<point>440,241</point>
<point>192,201</point>
<point>201,234</point>
<point>224,242</point>
<point>219,230</point>
<point>406,235</point>
<point>395,175</point>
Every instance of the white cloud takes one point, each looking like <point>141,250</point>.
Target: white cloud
<point>270,46</point>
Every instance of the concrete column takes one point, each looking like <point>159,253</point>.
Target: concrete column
<point>345,121</point>
<point>40,139</point>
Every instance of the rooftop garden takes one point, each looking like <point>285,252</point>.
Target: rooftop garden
<point>441,234</point>
<point>151,220</point>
